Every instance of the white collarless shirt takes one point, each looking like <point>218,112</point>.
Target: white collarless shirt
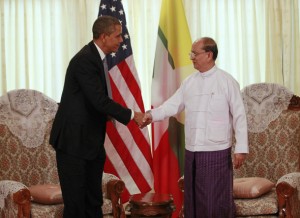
<point>213,109</point>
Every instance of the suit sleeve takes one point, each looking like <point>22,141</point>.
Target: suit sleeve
<point>89,74</point>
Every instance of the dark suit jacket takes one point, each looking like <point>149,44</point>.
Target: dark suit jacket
<point>80,123</point>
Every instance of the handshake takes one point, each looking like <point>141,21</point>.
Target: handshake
<point>142,119</point>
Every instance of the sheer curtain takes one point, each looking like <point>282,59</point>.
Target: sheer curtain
<point>238,28</point>
<point>38,38</point>
<point>257,39</point>
<point>283,43</point>
<point>142,20</point>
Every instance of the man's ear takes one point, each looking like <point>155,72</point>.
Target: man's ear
<point>102,37</point>
<point>210,55</point>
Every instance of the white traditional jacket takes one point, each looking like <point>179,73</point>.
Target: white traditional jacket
<point>213,110</point>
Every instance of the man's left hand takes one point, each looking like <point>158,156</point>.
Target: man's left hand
<point>238,160</point>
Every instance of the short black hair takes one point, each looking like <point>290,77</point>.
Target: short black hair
<point>104,24</point>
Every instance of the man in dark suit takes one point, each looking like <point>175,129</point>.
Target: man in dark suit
<point>78,131</point>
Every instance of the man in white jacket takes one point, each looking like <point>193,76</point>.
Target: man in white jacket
<point>214,109</point>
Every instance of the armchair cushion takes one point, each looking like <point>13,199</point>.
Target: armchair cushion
<point>107,206</point>
<point>251,187</point>
<point>264,205</point>
<point>46,194</point>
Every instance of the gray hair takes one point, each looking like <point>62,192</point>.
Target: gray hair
<point>210,45</point>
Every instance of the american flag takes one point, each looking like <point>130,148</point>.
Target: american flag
<point>128,147</point>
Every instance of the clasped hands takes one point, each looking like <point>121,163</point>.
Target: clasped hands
<point>142,119</point>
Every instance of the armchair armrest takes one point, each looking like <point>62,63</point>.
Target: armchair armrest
<point>181,187</point>
<point>22,199</point>
<point>113,187</point>
<point>284,192</point>
<point>114,190</point>
<point>288,194</point>
<point>15,199</point>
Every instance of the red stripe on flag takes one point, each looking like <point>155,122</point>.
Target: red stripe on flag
<point>141,141</point>
<point>131,83</point>
<point>136,133</point>
<point>166,171</point>
<point>127,159</point>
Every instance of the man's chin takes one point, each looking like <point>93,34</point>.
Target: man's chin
<point>116,49</point>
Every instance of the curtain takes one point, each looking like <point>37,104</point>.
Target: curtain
<point>142,20</point>
<point>38,38</point>
<point>257,39</point>
<point>238,29</point>
<point>283,43</point>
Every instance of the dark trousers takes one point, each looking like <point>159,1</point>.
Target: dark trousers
<point>208,184</point>
<point>81,184</point>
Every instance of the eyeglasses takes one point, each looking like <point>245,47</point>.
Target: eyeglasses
<point>194,54</point>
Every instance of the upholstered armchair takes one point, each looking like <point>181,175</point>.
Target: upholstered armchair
<point>273,116</point>
<point>29,185</point>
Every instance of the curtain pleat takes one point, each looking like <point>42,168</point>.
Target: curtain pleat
<point>258,40</point>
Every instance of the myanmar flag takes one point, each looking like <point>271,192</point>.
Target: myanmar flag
<point>171,66</point>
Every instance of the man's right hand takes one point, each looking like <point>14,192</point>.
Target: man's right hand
<point>138,118</point>
<point>147,119</point>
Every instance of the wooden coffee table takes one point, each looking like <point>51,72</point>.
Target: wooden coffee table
<point>151,205</point>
